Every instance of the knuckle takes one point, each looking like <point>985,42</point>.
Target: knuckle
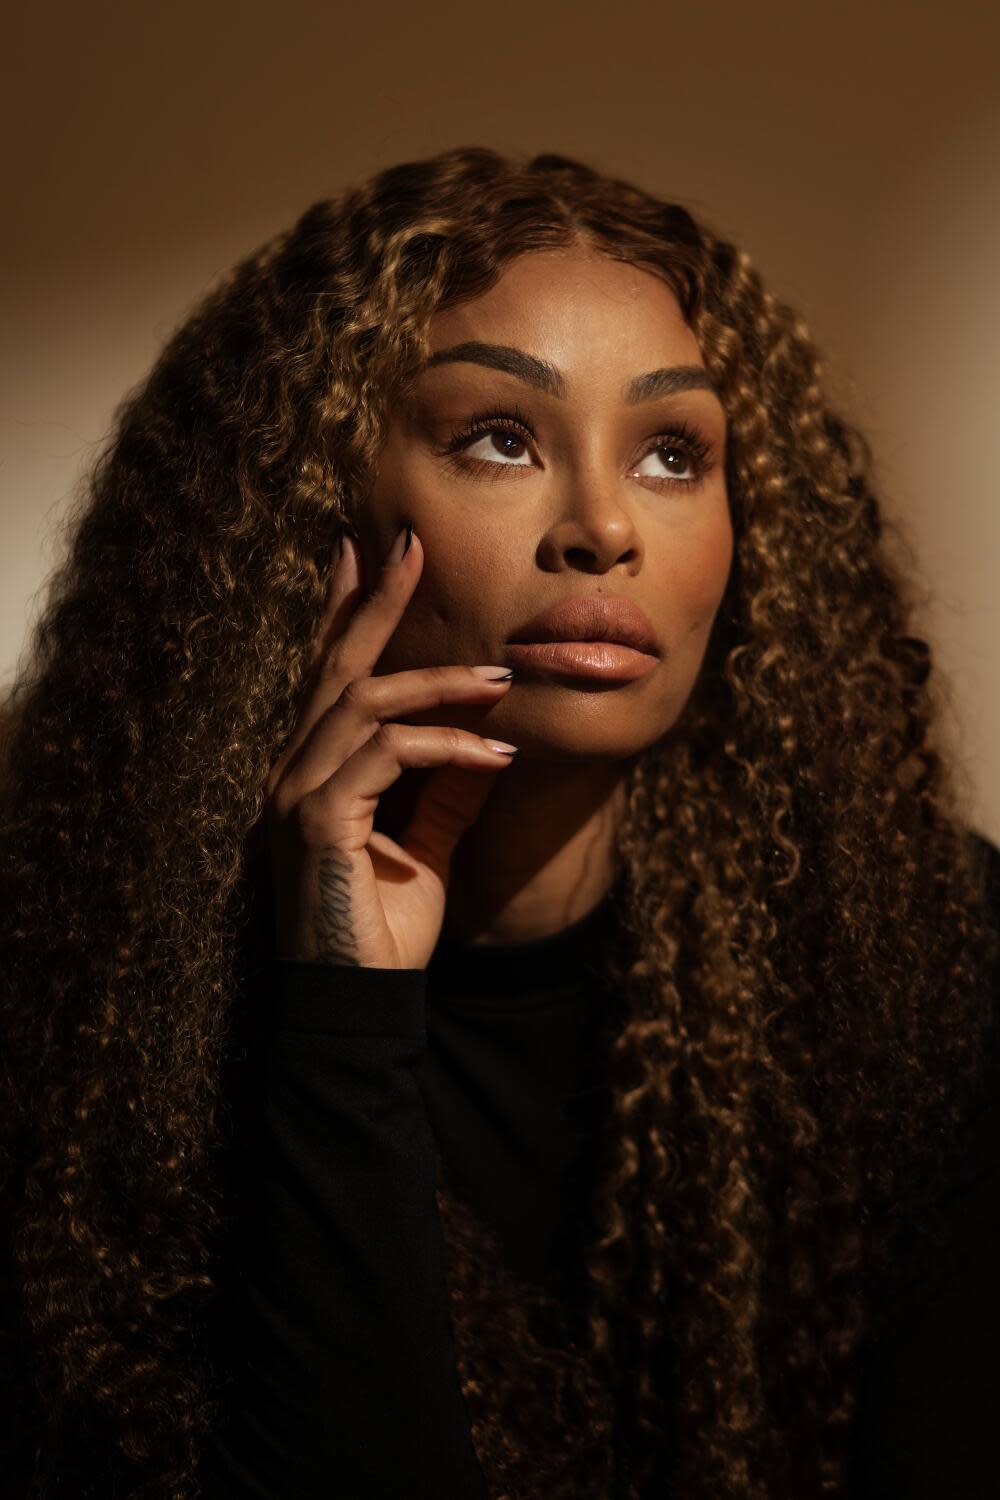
<point>459,739</point>
<point>349,708</point>
<point>353,695</point>
<point>386,738</point>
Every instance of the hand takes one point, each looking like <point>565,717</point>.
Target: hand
<point>344,893</point>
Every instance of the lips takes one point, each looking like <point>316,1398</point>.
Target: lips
<point>590,618</point>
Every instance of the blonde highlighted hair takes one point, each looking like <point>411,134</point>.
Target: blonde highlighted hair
<point>801,934</point>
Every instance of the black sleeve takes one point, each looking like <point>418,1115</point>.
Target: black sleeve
<point>345,1382</point>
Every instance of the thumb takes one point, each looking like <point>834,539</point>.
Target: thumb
<point>449,801</point>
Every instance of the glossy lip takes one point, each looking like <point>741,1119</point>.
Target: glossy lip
<point>588,617</point>
<point>595,659</point>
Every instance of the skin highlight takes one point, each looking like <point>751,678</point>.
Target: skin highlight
<point>592,506</point>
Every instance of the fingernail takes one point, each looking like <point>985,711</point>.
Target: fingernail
<point>493,674</point>
<point>401,545</point>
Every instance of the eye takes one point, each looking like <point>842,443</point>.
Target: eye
<point>502,441</point>
<point>684,461</point>
<point>501,435</point>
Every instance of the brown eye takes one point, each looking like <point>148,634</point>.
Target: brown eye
<point>501,440</point>
<point>677,461</point>
<point>501,437</point>
<point>685,456</point>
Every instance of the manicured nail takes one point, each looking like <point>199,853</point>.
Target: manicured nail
<point>400,546</point>
<point>493,674</point>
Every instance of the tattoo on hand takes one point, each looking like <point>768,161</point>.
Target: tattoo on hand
<point>335,933</point>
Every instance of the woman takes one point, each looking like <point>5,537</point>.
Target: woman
<point>387,1113</point>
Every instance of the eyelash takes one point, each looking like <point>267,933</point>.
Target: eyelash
<point>513,420</point>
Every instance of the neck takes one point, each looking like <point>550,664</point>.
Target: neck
<point>540,855</point>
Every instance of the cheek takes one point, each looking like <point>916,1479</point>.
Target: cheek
<point>454,612</point>
<point>469,569</point>
<point>698,574</point>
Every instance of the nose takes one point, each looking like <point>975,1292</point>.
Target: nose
<point>593,531</point>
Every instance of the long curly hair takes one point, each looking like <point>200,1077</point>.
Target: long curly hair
<point>798,1013</point>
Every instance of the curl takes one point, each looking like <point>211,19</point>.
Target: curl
<point>797,1009</point>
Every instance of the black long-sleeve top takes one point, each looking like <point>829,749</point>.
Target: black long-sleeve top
<point>345,1378</point>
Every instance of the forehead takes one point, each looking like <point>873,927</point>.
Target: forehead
<point>576,304</point>
<point>571,324</point>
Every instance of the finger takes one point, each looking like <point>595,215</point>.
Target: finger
<point>355,642</point>
<point>370,701</point>
<point>355,652</point>
<point>342,809</point>
<point>344,590</point>
<point>449,802</point>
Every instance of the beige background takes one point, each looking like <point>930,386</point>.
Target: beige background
<point>854,149</point>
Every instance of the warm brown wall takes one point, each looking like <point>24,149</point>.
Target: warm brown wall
<point>853,148</point>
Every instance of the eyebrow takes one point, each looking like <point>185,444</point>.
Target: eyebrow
<point>545,377</point>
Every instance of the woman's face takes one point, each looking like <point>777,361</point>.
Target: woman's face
<point>579,489</point>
